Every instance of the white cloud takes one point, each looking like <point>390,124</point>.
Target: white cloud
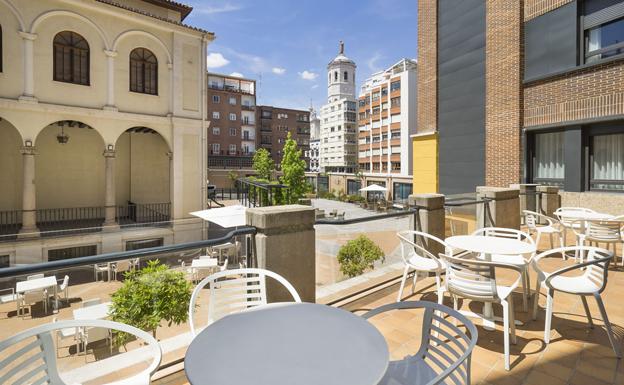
<point>307,75</point>
<point>211,10</point>
<point>278,70</point>
<point>372,62</point>
<point>237,75</point>
<point>216,60</point>
<point>315,86</point>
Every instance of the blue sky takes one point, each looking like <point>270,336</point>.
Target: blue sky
<point>286,45</point>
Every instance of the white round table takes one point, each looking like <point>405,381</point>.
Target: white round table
<point>487,246</point>
<point>588,216</point>
<point>299,343</point>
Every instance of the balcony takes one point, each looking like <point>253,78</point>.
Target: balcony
<point>229,88</point>
<point>248,108</point>
<point>235,162</point>
<point>265,129</point>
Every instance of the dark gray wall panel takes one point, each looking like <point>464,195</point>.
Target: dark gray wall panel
<point>573,158</point>
<point>551,42</point>
<point>461,95</point>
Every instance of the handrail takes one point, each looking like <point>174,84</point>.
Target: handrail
<point>458,202</point>
<point>341,222</point>
<point>121,255</point>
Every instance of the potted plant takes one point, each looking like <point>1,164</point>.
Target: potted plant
<point>150,296</point>
<point>358,255</point>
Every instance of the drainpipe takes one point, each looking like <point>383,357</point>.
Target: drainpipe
<point>204,45</point>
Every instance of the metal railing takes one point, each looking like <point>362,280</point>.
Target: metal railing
<point>53,222</point>
<point>136,213</point>
<point>230,161</point>
<point>260,194</point>
<point>10,222</point>
<point>459,203</point>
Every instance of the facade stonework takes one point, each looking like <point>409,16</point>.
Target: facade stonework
<point>535,8</point>
<point>427,66</point>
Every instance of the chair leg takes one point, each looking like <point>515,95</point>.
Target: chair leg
<point>414,281</point>
<point>402,283</point>
<point>537,240</point>
<point>439,287</point>
<point>506,331</point>
<point>526,290</point>
<point>562,244</point>
<point>587,312</point>
<point>538,285</point>
<point>552,244</point>
<point>605,319</point>
<point>549,310</point>
<point>512,319</point>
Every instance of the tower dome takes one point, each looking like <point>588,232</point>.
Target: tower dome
<point>341,76</point>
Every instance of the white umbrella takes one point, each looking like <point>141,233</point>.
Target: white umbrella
<point>229,216</point>
<point>374,187</point>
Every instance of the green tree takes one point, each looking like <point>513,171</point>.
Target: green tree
<point>293,167</point>
<point>357,255</point>
<point>150,296</point>
<point>263,164</point>
<point>233,177</point>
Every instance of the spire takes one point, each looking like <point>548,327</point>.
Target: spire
<point>341,47</point>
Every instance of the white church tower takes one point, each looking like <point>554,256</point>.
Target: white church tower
<point>338,117</point>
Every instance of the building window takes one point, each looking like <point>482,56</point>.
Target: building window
<point>71,252</point>
<point>395,102</point>
<point>376,110</point>
<point>144,244</point>
<point>216,99</point>
<point>232,149</point>
<point>607,162</point>
<point>353,187</point>
<point>143,71</point>
<point>216,131</point>
<point>232,131</point>
<point>549,166</point>
<point>375,96</point>
<point>335,76</point>
<point>346,76</point>
<point>216,115</point>
<point>395,86</point>
<point>233,100</point>
<point>401,191</point>
<point>216,149</point>
<point>266,114</point>
<point>282,116</point>
<point>71,58</point>
<point>605,40</point>
<point>232,116</point>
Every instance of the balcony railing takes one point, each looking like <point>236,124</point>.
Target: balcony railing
<point>239,162</point>
<point>248,108</point>
<point>136,214</point>
<point>229,88</point>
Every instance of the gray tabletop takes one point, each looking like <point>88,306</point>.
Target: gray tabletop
<point>288,344</point>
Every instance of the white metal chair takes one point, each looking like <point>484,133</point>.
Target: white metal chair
<point>475,279</point>
<point>609,232</point>
<point>101,268</point>
<point>445,349</point>
<point>232,291</point>
<point>416,257</point>
<point>64,334</point>
<point>550,228</point>
<point>37,356</point>
<point>34,276</point>
<point>568,222</point>
<point>522,261</point>
<point>63,287</point>
<point>31,297</point>
<point>121,267</point>
<point>591,282</point>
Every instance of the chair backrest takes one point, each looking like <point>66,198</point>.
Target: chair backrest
<point>33,296</point>
<point>500,232</point>
<point>36,356</point>
<point>34,276</point>
<point>224,266</point>
<point>232,291</point>
<point>65,282</point>
<point>471,278</point>
<point>532,219</point>
<point>604,231</point>
<point>445,346</point>
<point>123,265</point>
<point>417,244</point>
<point>91,302</point>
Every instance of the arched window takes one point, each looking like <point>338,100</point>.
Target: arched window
<point>71,58</point>
<point>143,71</point>
<point>335,76</point>
<point>329,80</point>
<point>346,76</point>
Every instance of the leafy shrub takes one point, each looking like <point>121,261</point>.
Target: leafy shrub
<point>357,255</point>
<point>150,296</point>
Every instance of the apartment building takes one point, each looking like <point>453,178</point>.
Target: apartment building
<point>102,120</point>
<point>339,117</point>
<point>386,119</point>
<point>521,91</point>
<point>232,112</point>
<point>274,125</point>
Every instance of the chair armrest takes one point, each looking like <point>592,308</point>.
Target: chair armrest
<point>578,266</point>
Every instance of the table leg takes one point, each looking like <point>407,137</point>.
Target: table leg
<point>55,310</point>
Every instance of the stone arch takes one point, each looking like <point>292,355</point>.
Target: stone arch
<point>142,167</point>
<point>11,172</point>
<point>151,36</point>
<point>41,18</point>
<point>16,13</point>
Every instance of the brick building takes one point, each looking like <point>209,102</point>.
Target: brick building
<point>520,91</point>
<point>274,125</point>
<point>231,111</point>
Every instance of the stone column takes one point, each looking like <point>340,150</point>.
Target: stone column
<point>285,244</point>
<point>430,217</point>
<point>110,81</point>
<point>29,215</point>
<point>528,197</point>
<point>171,90</point>
<point>504,207</point>
<point>29,74</point>
<point>549,201</point>
<point>109,200</point>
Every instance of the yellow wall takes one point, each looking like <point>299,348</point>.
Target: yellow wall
<point>425,150</point>
<point>10,167</point>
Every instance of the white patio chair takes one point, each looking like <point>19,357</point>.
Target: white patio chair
<point>63,288</point>
<point>570,223</point>
<point>522,261</point>
<point>445,349</point>
<point>37,357</point>
<point>31,297</point>
<point>232,291</point>
<point>475,279</point>
<point>64,334</point>
<point>607,232</point>
<point>34,276</point>
<point>416,257</point>
<point>121,267</point>
<point>8,297</point>
<point>591,281</point>
<point>551,228</point>
<point>101,268</point>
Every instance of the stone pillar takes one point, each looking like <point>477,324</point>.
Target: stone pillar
<point>109,175</point>
<point>110,81</point>
<point>29,215</point>
<point>285,244</point>
<point>504,207</point>
<point>29,70</point>
<point>528,197</point>
<point>430,217</point>
<point>549,201</point>
<point>171,90</point>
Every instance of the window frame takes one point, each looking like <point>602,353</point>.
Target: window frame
<point>216,99</point>
<point>216,115</point>
<point>230,116</point>
<point>592,181</point>
<point>145,68</point>
<point>216,131</point>
<point>71,51</point>
<point>594,20</point>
